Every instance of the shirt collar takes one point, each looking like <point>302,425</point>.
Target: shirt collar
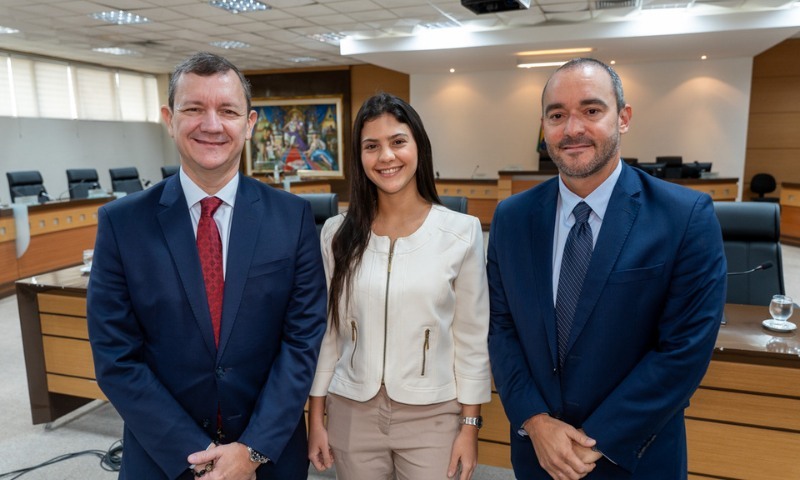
<point>194,194</point>
<point>597,200</point>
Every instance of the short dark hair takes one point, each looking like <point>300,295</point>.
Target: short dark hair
<point>205,64</point>
<point>616,82</point>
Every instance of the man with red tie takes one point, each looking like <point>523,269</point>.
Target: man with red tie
<point>206,303</point>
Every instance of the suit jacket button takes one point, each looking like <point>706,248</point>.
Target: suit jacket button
<point>220,372</point>
<point>206,423</point>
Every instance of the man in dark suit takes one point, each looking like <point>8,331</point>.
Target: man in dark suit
<point>607,288</point>
<point>206,303</point>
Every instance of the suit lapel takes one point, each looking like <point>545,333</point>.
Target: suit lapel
<point>623,207</point>
<point>245,225</point>
<point>543,221</point>
<point>176,226</point>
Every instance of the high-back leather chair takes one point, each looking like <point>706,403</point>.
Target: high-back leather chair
<point>80,181</point>
<point>458,204</point>
<point>26,183</point>
<point>761,184</point>
<point>125,179</point>
<point>751,234</point>
<point>169,170</point>
<point>323,206</point>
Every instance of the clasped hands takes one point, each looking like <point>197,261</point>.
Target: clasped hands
<point>228,462</point>
<point>562,450</point>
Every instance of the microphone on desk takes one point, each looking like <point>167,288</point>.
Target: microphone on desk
<point>92,185</point>
<point>763,266</point>
<point>41,197</point>
<point>474,172</point>
<point>437,174</point>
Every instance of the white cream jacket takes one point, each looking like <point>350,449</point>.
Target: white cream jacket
<point>422,327</point>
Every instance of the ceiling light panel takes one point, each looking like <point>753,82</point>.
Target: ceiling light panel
<point>240,6</point>
<point>115,51</point>
<point>229,44</point>
<point>8,30</point>
<point>120,17</point>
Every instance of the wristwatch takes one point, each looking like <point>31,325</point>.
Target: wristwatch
<point>476,422</point>
<point>257,457</point>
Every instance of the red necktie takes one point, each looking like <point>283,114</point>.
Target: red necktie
<point>209,246</point>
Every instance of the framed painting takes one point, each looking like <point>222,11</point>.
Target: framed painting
<point>297,136</point>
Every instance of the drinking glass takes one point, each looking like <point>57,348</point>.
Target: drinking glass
<point>88,256</point>
<point>781,309</point>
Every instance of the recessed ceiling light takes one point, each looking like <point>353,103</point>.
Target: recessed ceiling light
<point>452,70</point>
<point>8,30</point>
<point>229,44</point>
<point>540,64</point>
<point>240,6</point>
<point>703,57</point>
<point>613,62</point>
<point>332,38</point>
<point>119,17</point>
<point>302,59</point>
<point>557,51</point>
<point>440,25</point>
<point>115,51</point>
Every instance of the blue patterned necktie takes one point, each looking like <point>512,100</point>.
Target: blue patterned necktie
<point>575,261</point>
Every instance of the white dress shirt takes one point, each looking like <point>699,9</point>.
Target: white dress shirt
<point>222,216</point>
<point>597,201</point>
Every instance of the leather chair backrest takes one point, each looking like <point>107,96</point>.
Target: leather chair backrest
<point>125,179</point>
<point>323,206</point>
<point>169,170</point>
<point>751,235</point>
<point>458,204</point>
<point>25,183</point>
<point>80,181</point>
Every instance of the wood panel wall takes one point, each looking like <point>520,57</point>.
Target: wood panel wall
<point>353,83</point>
<point>773,132</point>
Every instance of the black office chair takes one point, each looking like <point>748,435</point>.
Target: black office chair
<point>455,203</point>
<point>323,206</point>
<point>169,170</point>
<point>25,184</point>
<point>751,234</point>
<point>125,179</point>
<point>80,181</point>
<point>761,184</point>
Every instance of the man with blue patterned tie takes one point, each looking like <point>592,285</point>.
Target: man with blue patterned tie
<point>607,288</point>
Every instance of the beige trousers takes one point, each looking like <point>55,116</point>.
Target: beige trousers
<point>381,438</point>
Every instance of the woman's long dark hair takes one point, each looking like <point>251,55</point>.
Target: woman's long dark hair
<point>350,241</point>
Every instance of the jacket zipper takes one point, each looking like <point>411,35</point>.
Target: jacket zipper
<point>386,310</point>
<point>425,347</point>
<point>355,343</point>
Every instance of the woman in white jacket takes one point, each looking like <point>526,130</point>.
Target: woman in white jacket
<point>404,365</point>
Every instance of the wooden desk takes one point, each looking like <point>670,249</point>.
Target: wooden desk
<point>481,196</point>
<point>60,232</point>
<point>790,213</point>
<point>743,422</point>
<point>301,186</point>
<point>55,341</point>
<point>515,181</point>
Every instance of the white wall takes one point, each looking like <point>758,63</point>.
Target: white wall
<point>52,146</point>
<point>696,109</point>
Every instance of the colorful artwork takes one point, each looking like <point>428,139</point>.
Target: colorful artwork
<point>297,135</point>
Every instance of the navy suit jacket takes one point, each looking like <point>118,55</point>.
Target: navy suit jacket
<point>643,332</point>
<point>152,340</point>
